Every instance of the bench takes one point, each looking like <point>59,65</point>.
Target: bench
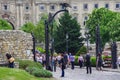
<point>5,64</point>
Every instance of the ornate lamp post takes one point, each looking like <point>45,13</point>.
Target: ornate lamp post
<point>33,38</point>
<point>87,38</point>
<point>98,41</point>
<point>114,55</point>
<point>47,22</point>
<point>67,36</point>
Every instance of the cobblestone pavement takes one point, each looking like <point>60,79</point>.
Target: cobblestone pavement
<point>80,74</point>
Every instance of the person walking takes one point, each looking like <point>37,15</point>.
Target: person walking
<point>54,62</point>
<point>66,59</point>
<point>99,62</point>
<point>72,60</point>
<point>80,61</point>
<point>88,63</point>
<point>62,65</point>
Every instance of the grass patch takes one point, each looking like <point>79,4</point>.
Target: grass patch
<point>17,74</point>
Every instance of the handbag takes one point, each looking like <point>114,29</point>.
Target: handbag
<point>11,59</point>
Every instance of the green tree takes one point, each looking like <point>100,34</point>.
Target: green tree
<point>38,29</point>
<point>4,25</point>
<point>83,50</point>
<point>114,28</point>
<point>70,26</point>
<point>101,17</point>
<point>28,27</point>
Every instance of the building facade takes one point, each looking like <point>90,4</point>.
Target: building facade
<point>18,12</point>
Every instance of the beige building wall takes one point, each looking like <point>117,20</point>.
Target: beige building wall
<point>19,12</point>
<point>22,11</point>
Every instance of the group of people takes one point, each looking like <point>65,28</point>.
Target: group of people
<point>67,59</point>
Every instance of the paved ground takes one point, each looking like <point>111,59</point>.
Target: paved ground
<point>80,74</point>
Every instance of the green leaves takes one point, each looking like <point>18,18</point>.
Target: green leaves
<point>69,26</point>
<point>4,25</point>
<point>109,23</point>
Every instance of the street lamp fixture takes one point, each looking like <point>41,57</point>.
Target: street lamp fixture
<point>47,23</point>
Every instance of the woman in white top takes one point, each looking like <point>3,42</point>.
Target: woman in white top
<point>80,60</point>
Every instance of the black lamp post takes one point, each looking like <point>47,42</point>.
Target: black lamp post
<point>114,55</point>
<point>98,41</point>
<point>87,38</point>
<point>67,36</point>
<point>98,45</point>
<point>47,22</point>
<point>33,38</point>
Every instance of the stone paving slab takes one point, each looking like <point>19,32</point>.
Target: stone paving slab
<point>80,74</point>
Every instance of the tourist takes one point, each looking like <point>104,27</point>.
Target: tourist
<point>88,63</point>
<point>80,61</point>
<point>62,65</point>
<point>99,62</point>
<point>66,59</point>
<point>54,62</point>
<point>10,60</point>
<point>72,60</point>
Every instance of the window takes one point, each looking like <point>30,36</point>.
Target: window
<point>117,5</point>
<point>96,6</point>
<point>52,7</point>
<point>42,7</point>
<point>27,7</point>
<point>106,5</point>
<point>85,6</point>
<point>74,7</point>
<point>62,7</point>
<point>27,18</point>
<point>85,18</point>
<point>5,7</point>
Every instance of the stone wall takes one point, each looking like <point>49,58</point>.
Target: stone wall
<point>17,43</point>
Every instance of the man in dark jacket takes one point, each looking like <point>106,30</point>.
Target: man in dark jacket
<point>62,65</point>
<point>88,63</point>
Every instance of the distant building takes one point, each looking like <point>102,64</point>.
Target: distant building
<point>18,12</point>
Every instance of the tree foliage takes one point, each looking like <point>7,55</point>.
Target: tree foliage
<point>28,27</point>
<point>38,29</point>
<point>114,28</point>
<point>82,50</point>
<point>4,25</point>
<point>68,25</point>
<point>108,22</point>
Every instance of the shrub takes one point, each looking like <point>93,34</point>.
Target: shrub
<point>23,64</point>
<point>40,49</point>
<point>39,72</point>
<point>76,60</point>
<point>93,61</point>
<point>83,50</point>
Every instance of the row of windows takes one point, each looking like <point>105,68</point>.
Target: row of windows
<point>42,7</point>
<point>117,6</point>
